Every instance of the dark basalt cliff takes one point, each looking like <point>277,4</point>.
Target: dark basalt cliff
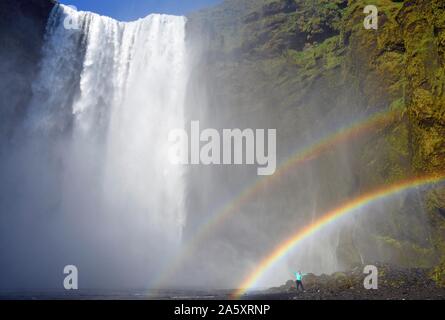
<point>22,27</point>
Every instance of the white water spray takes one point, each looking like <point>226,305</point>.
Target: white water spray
<point>106,97</point>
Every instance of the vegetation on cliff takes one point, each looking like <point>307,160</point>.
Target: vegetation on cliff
<point>305,58</point>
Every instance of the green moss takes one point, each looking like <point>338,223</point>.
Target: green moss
<point>318,62</point>
<point>407,254</point>
<point>438,274</point>
<point>398,105</point>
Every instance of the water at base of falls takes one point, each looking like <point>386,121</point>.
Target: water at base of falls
<point>97,186</point>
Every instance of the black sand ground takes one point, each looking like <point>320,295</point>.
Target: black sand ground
<point>393,284</point>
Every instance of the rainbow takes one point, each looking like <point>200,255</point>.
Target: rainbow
<point>349,206</point>
<point>358,129</point>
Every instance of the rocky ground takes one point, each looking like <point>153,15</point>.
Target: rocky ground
<point>393,284</point>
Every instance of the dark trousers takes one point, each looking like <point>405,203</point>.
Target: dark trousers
<point>299,284</point>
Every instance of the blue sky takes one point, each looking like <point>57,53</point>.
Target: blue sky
<point>127,10</point>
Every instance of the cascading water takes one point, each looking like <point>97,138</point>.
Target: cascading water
<point>97,128</point>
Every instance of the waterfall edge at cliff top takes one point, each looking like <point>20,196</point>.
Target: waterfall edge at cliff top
<point>100,190</point>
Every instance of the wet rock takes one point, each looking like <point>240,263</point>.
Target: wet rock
<point>394,283</point>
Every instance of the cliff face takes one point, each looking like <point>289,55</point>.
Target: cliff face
<point>307,65</point>
<point>22,27</point>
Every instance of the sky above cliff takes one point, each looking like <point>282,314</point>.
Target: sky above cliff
<point>133,9</point>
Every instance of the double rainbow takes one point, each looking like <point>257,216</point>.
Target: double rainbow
<point>349,206</point>
<point>354,131</point>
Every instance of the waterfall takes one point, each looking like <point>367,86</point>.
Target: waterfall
<point>105,98</point>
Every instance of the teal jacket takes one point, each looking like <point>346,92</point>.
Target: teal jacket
<point>299,276</point>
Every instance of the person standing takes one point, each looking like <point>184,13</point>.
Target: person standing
<point>299,280</point>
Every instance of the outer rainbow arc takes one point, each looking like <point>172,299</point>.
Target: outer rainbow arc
<point>308,154</point>
<point>347,207</point>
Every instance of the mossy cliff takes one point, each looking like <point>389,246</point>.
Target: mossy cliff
<point>306,66</point>
<point>402,67</point>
